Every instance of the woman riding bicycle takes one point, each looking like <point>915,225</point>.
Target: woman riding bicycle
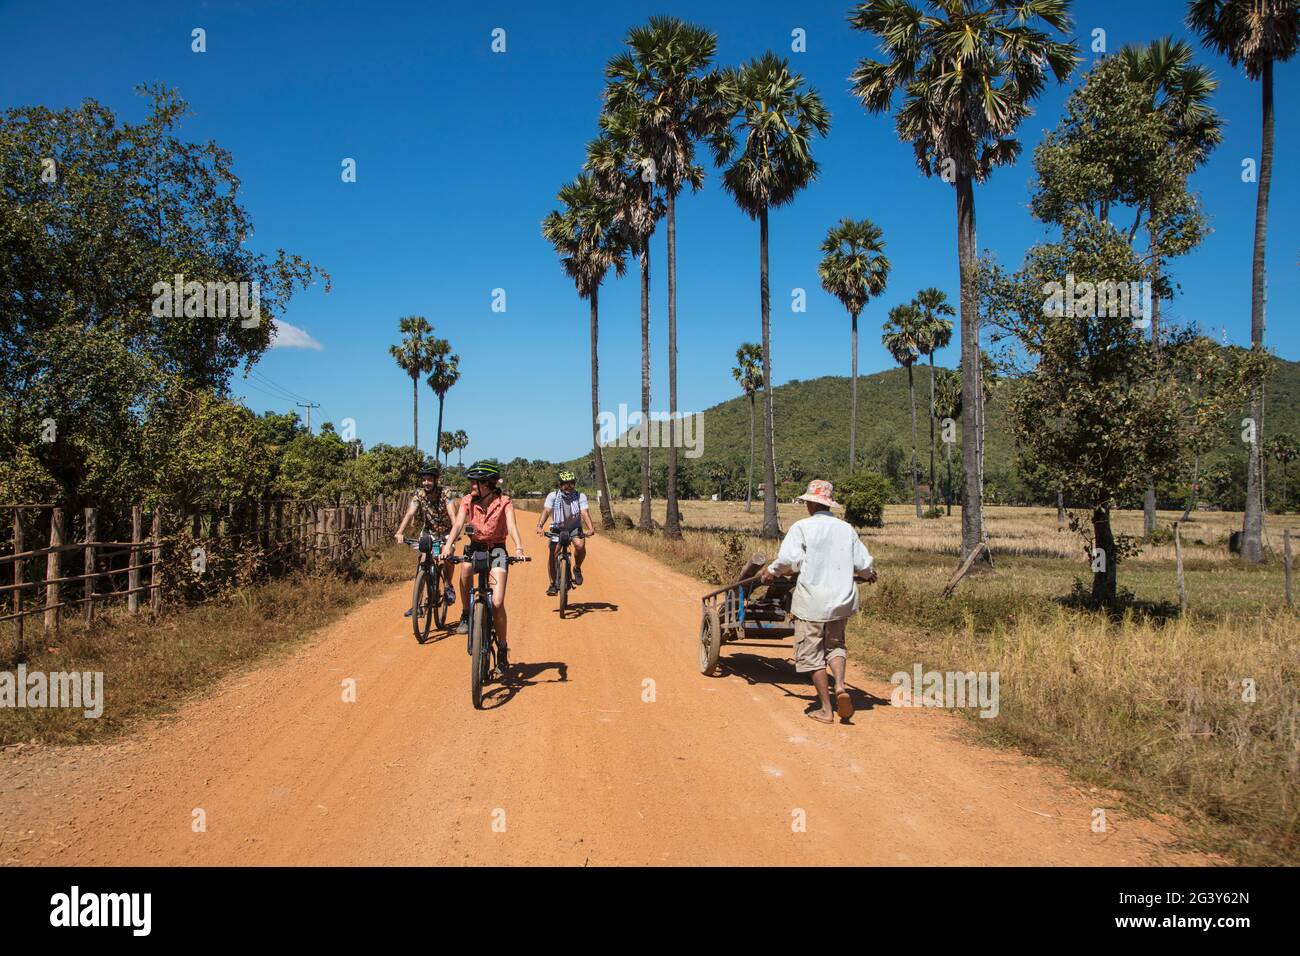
<point>436,517</point>
<point>491,515</point>
<point>567,511</point>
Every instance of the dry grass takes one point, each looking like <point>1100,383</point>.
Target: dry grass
<point>152,664</point>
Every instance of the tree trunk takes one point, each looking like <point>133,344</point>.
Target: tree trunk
<point>771,527</point>
<point>1060,506</point>
<point>672,527</point>
<point>1103,581</point>
<point>606,513</point>
<point>647,519</point>
<point>1252,548</point>
<point>1149,501</point>
<point>972,505</point>
<point>415,414</point>
<point>446,455</point>
<point>916,485</point>
<point>931,430</point>
<point>749,477</point>
<point>1194,493</point>
<point>947,450</point>
<point>853,402</point>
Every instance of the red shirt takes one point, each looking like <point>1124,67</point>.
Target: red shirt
<point>490,522</point>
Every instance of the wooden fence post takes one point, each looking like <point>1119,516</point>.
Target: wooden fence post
<point>52,571</point>
<point>134,559</point>
<point>1178,559</point>
<point>155,571</point>
<point>1286,562</point>
<point>88,586</point>
<point>18,581</point>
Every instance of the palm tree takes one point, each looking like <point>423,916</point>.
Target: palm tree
<point>902,334</point>
<point>621,164</point>
<point>968,71</point>
<point>948,405</point>
<point>766,147</point>
<point>936,333</point>
<point>1254,34</point>
<point>462,442</point>
<point>446,445</point>
<point>413,357</point>
<point>589,244</point>
<point>663,76</point>
<point>445,373</point>
<point>854,269</point>
<point>1180,91</point>
<point>748,373</point>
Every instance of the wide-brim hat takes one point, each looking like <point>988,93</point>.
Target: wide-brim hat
<point>819,492</point>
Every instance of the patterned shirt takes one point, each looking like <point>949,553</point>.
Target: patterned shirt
<point>432,512</point>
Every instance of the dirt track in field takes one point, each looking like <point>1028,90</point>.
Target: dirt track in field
<point>570,766</point>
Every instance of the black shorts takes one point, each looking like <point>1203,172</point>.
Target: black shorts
<point>499,556</point>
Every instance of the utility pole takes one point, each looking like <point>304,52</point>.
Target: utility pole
<point>309,406</point>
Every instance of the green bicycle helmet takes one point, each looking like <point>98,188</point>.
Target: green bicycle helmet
<point>483,470</point>
<point>567,476</point>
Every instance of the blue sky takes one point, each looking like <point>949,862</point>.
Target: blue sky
<point>459,154</point>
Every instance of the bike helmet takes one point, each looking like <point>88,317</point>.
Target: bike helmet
<point>429,468</point>
<point>486,470</point>
<point>567,476</point>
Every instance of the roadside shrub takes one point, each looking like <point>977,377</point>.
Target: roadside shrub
<point>864,495</point>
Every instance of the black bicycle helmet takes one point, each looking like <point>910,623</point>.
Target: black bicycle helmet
<point>484,470</point>
<point>429,468</point>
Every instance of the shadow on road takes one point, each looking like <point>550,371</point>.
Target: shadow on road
<point>523,674</point>
<point>579,609</point>
<point>760,669</point>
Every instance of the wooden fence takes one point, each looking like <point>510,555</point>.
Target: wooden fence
<point>286,533</point>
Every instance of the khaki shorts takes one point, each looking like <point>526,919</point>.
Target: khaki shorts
<point>816,642</point>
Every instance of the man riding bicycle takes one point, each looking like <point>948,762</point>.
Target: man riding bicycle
<point>491,515</point>
<point>436,518</point>
<point>567,511</point>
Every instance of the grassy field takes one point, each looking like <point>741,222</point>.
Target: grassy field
<point>1156,705</point>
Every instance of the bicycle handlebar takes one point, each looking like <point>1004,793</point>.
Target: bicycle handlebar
<point>466,559</point>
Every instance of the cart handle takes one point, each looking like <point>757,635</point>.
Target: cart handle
<point>732,587</point>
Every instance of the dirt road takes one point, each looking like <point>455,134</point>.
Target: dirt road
<point>577,765</point>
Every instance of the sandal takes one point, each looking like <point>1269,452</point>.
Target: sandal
<point>812,715</point>
<point>844,705</point>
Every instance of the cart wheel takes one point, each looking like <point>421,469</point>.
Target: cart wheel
<point>710,641</point>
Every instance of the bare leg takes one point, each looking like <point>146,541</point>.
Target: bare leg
<point>819,679</point>
<point>499,604</point>
<point>836,664</point>
<point>463,583</point>
<point>579,551</point>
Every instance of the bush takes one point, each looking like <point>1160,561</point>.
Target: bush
<point>864,496</point>
<point>935,512</point>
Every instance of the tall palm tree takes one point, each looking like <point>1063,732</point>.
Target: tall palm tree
<point>589,243</point>
<point>446,445</point>
<point>766,147</point>
<point>622,163</point>
<point>1180,90</point>
<point>948,405</point>
<point>854,269</point>
<point>748,373</point>
<point>968,72</point>
<point>462,442</point>
<point>413,358</point>
<point>445,373</point>
<point>936,333</point>
<point>664,75</point>
<point>902,337</point>
<point>1254,34</point>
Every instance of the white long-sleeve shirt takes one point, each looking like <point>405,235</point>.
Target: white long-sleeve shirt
<point>825,552</point>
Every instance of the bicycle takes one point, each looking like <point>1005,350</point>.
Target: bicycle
<point>563,575</point>
<point>482,645</point>
<point>428,603</point>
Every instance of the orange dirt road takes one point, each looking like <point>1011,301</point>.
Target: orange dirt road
<point>573,766</point>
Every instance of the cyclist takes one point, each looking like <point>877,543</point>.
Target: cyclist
<point>491,515</point>
<point>567,511</point>
<point>436,518</point>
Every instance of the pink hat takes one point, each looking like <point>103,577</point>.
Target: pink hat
<point>819,492</point>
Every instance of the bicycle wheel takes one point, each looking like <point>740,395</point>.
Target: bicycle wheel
<point>421,606</point>
<point>478,662</point>
<point>439,600</point>
<point>562,572</point>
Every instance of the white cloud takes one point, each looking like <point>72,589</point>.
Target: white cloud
<point>291,337</point>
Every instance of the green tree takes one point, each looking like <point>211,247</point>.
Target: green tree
<point>664,75</point>
<point>1284,449</point>
<point>444,372</point>
<point>935,334</point>
<point>854,269</point>
<point>968,72</point>
<point>902,337</point>
<point>748,373</point>
<point>414,356</point>
<point>947,404</point>
<point>589,243</point>
<point>462,442</point>
<point>1254,34</point>
<point>766,147</point>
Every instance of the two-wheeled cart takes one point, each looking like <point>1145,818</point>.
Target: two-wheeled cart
<point>744,610</point>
